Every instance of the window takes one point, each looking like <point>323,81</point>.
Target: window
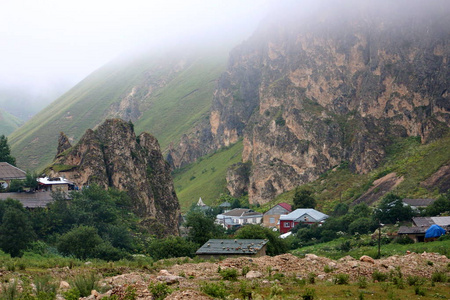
<point>271,220</point>
<point>287,224</point>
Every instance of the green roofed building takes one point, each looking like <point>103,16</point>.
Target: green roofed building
<point>215,248</point>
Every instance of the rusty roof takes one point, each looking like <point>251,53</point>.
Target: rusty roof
<point>9,172</point>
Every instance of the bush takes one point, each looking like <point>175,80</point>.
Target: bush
<point>80,242</point>
<point>341,279</point>
<point>312,278</point>
<point>45,288</point>
<point>85,283</point>
<point>438,277</point>
<point>362,282</point>
<point>174,246</point>
<point>214,290</point>
<point>415,280</point>
<point>403,240</point>
<point>159,290</point>
<point>309,294</point>
<point>245,270</point>
<point>379,276</point>
<point>229,274</point>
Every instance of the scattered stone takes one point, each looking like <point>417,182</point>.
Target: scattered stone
<point>253,274</point>
<point>64,285</point>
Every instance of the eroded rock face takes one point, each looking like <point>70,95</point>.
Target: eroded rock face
<point>112,156</point>
<point>306,93</point>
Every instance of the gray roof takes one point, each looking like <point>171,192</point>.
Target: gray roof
<point>230,246</point>
<point>418,202</point>
<point>296,214</point>
<point>241,212</point>
<point>411,230</point>
<point>30,200</point>
<point>428,221</point>
<point>225,204</point>
<point>9,172</point>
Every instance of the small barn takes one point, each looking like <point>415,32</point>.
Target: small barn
<point>216,248</point>
<point>271,217</point>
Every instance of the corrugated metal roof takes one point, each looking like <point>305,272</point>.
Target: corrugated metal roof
<point>441,221</point>
<point>411,230</point>
<point>238,212</point>
<point>9,172</point>
<point>428,221</point>
<point>30,200</point>
<point>317,215</point>
<point>286,206</point>
<point>230,246</point>
<point>54,180</point>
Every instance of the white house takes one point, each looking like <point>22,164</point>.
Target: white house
<point>238,216</point>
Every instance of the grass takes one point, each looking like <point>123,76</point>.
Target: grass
<point>8,122</point>
<point>172,100</point>
<point>206,177</point>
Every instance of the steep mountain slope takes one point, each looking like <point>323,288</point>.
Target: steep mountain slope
<point>165,92</point>
<point>113,156</point>
<point>8,122</point>
<point>308,92</point>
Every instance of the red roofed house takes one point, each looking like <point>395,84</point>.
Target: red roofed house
<point>301,215</point>
<point>272,216</point>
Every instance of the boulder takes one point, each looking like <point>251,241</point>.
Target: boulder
<point>366,258</point>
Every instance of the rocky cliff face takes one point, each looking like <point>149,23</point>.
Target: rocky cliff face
<point>113,156</point>
<point>308,92</point>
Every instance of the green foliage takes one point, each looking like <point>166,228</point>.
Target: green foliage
<point>216,290</point>
<point>159,290</point>
<point>440,205</point>
<point>212,183</point>
<point>85,283</point>
<point>312,278</point>
<point>9,122</point>
<point>341,279</point>
<point>438,277</point>
<point>72,294</point>
<point>5,151</point>
<point>80,242</point>
<point>31,180</point>
<point>229,274</point>
<point>303,199</point>
<point>392,210</point>
<point>173,246</point>
<point>45,287</point>
<point>362,282</point>
<point>309,294</point>
<point>379,276</point>
<point>202,227</point>
<point>9,290</point>
<point>16,232</point>
<point>275,245</point>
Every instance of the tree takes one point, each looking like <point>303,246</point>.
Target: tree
<point>16,232</point>
<point>202,228</point>
<point>392,210</point>
<point>31,181</point>
<point>80,242</point>
<point>275,244</point>
<point>172,246</point>
<point>5,151</point>
<point>303,199</point>
<point>440,205</point>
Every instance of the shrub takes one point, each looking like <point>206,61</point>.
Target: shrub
<point>9,290</point>
<point>276,290</point>
<point>45,288</point>
<point>245,270</point>
<point>312,278</point>
<point>419,291</point>
<point>341,279</point>
<point>243,290</point>
<point>85,283</point>
<point>362,282</point>
<point>229,274</point>
<point>173,246</point>
<point>379,276</point>
<point>159,290</point>
<point>403,240</point>
<point>327,269</point>
<point>81,242</point>
<point>398,281</point>
<point>72,294</point>
<point>415,280</point>
<point>214,290</point>
<point>438,277</point>
<point>309,294</point>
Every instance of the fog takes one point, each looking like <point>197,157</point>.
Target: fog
<point>49,45</point>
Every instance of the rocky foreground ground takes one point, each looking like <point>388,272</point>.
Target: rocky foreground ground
<point>185,278</point>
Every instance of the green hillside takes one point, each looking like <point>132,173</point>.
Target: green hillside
<point>172,90</point>
<point>206,177</point>
<point>8,122</point>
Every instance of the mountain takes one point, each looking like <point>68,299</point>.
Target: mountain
<point>165,91</point>
<point>113,156</point>
<point>8,122</point>
<point>308,92</point>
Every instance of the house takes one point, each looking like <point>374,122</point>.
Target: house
<point>238,217</point>
<point>415,204</point>
<point>301,215</point>
<point>420,226</point>
<point>216,248</point>
<point>55,184</point>
<point>202,206</point>
<point>9,172</point>
<point>272,216</point>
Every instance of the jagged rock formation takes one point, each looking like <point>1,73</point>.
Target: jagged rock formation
<point>112,156</point>
<point>63,144</point>
<point>308,92</point>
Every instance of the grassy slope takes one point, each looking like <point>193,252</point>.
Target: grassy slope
<point>407,157</point>
<point>84,106</point>
<point>206,177</point>
<point>8,122</point>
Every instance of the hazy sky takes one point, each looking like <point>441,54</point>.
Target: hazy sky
<point>43,42</point>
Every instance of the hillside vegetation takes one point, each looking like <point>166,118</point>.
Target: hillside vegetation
<point>162,93</point>
<point>206,177</point>
<point>8,122</point>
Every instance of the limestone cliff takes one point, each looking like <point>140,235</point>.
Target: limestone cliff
<point>113,156</point>
<point>309,91</point>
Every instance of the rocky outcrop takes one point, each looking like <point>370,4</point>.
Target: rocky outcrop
<point>63,144</point>
<point>308,92</point>
<point>113,156</point>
